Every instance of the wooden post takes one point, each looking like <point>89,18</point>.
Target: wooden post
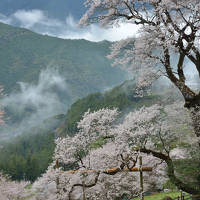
<point>113,171</point>
<point>57,179</point>
<point>84,197</point>
<point>141,179</point>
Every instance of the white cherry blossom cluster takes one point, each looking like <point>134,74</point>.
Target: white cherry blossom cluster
<point>11,189</point>
<point>166,28</point>
<point>121,142</point>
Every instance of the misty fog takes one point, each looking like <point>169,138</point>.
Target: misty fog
<point>34,103</point>
<point>38,21</point>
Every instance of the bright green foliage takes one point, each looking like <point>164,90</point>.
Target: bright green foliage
<point>189,170</point>
<point>160,196</point>
<point>27,156</point>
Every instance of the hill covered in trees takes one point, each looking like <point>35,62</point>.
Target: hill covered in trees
<point>31,64</point>
<point>121,97</point>
<point>28,155</point>
<point>84,65</point>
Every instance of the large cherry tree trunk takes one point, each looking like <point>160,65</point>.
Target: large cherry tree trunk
<point>184,186</point>
<point>193,105</point>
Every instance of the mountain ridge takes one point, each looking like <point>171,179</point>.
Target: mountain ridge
<point>25,53</point>
<point>31,152</point>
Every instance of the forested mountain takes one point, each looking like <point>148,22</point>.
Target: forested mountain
<point>121,97</point>
<point>24,54</point>
<point>20,156</point>
<point>42,76</point>
<point>29,154</point>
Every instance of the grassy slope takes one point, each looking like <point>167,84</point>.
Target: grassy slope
<point>160,196</point>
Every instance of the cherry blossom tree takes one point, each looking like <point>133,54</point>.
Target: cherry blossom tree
<point>105,151</point>
<point>168,42</point>
<point>11,189</point>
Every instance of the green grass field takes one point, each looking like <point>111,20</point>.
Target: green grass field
<point>160,196</point>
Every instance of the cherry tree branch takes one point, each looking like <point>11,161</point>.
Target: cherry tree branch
<point>170,171</point>
<point>84,185</point>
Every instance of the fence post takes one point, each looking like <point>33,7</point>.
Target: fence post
<point>84,196</point>
<point>141,179</point>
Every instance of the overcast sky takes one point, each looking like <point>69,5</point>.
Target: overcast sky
<point>40,22</point>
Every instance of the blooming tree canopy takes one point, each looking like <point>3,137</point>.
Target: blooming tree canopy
<point>168,43</point>
<point>11,189</point>
<point>167,27</point>
<point>105,150</point>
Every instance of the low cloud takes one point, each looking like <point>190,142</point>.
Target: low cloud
<point>5,19</point>
<point>40,22</point>
<point>35,102</point>
<point>29,19</point>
